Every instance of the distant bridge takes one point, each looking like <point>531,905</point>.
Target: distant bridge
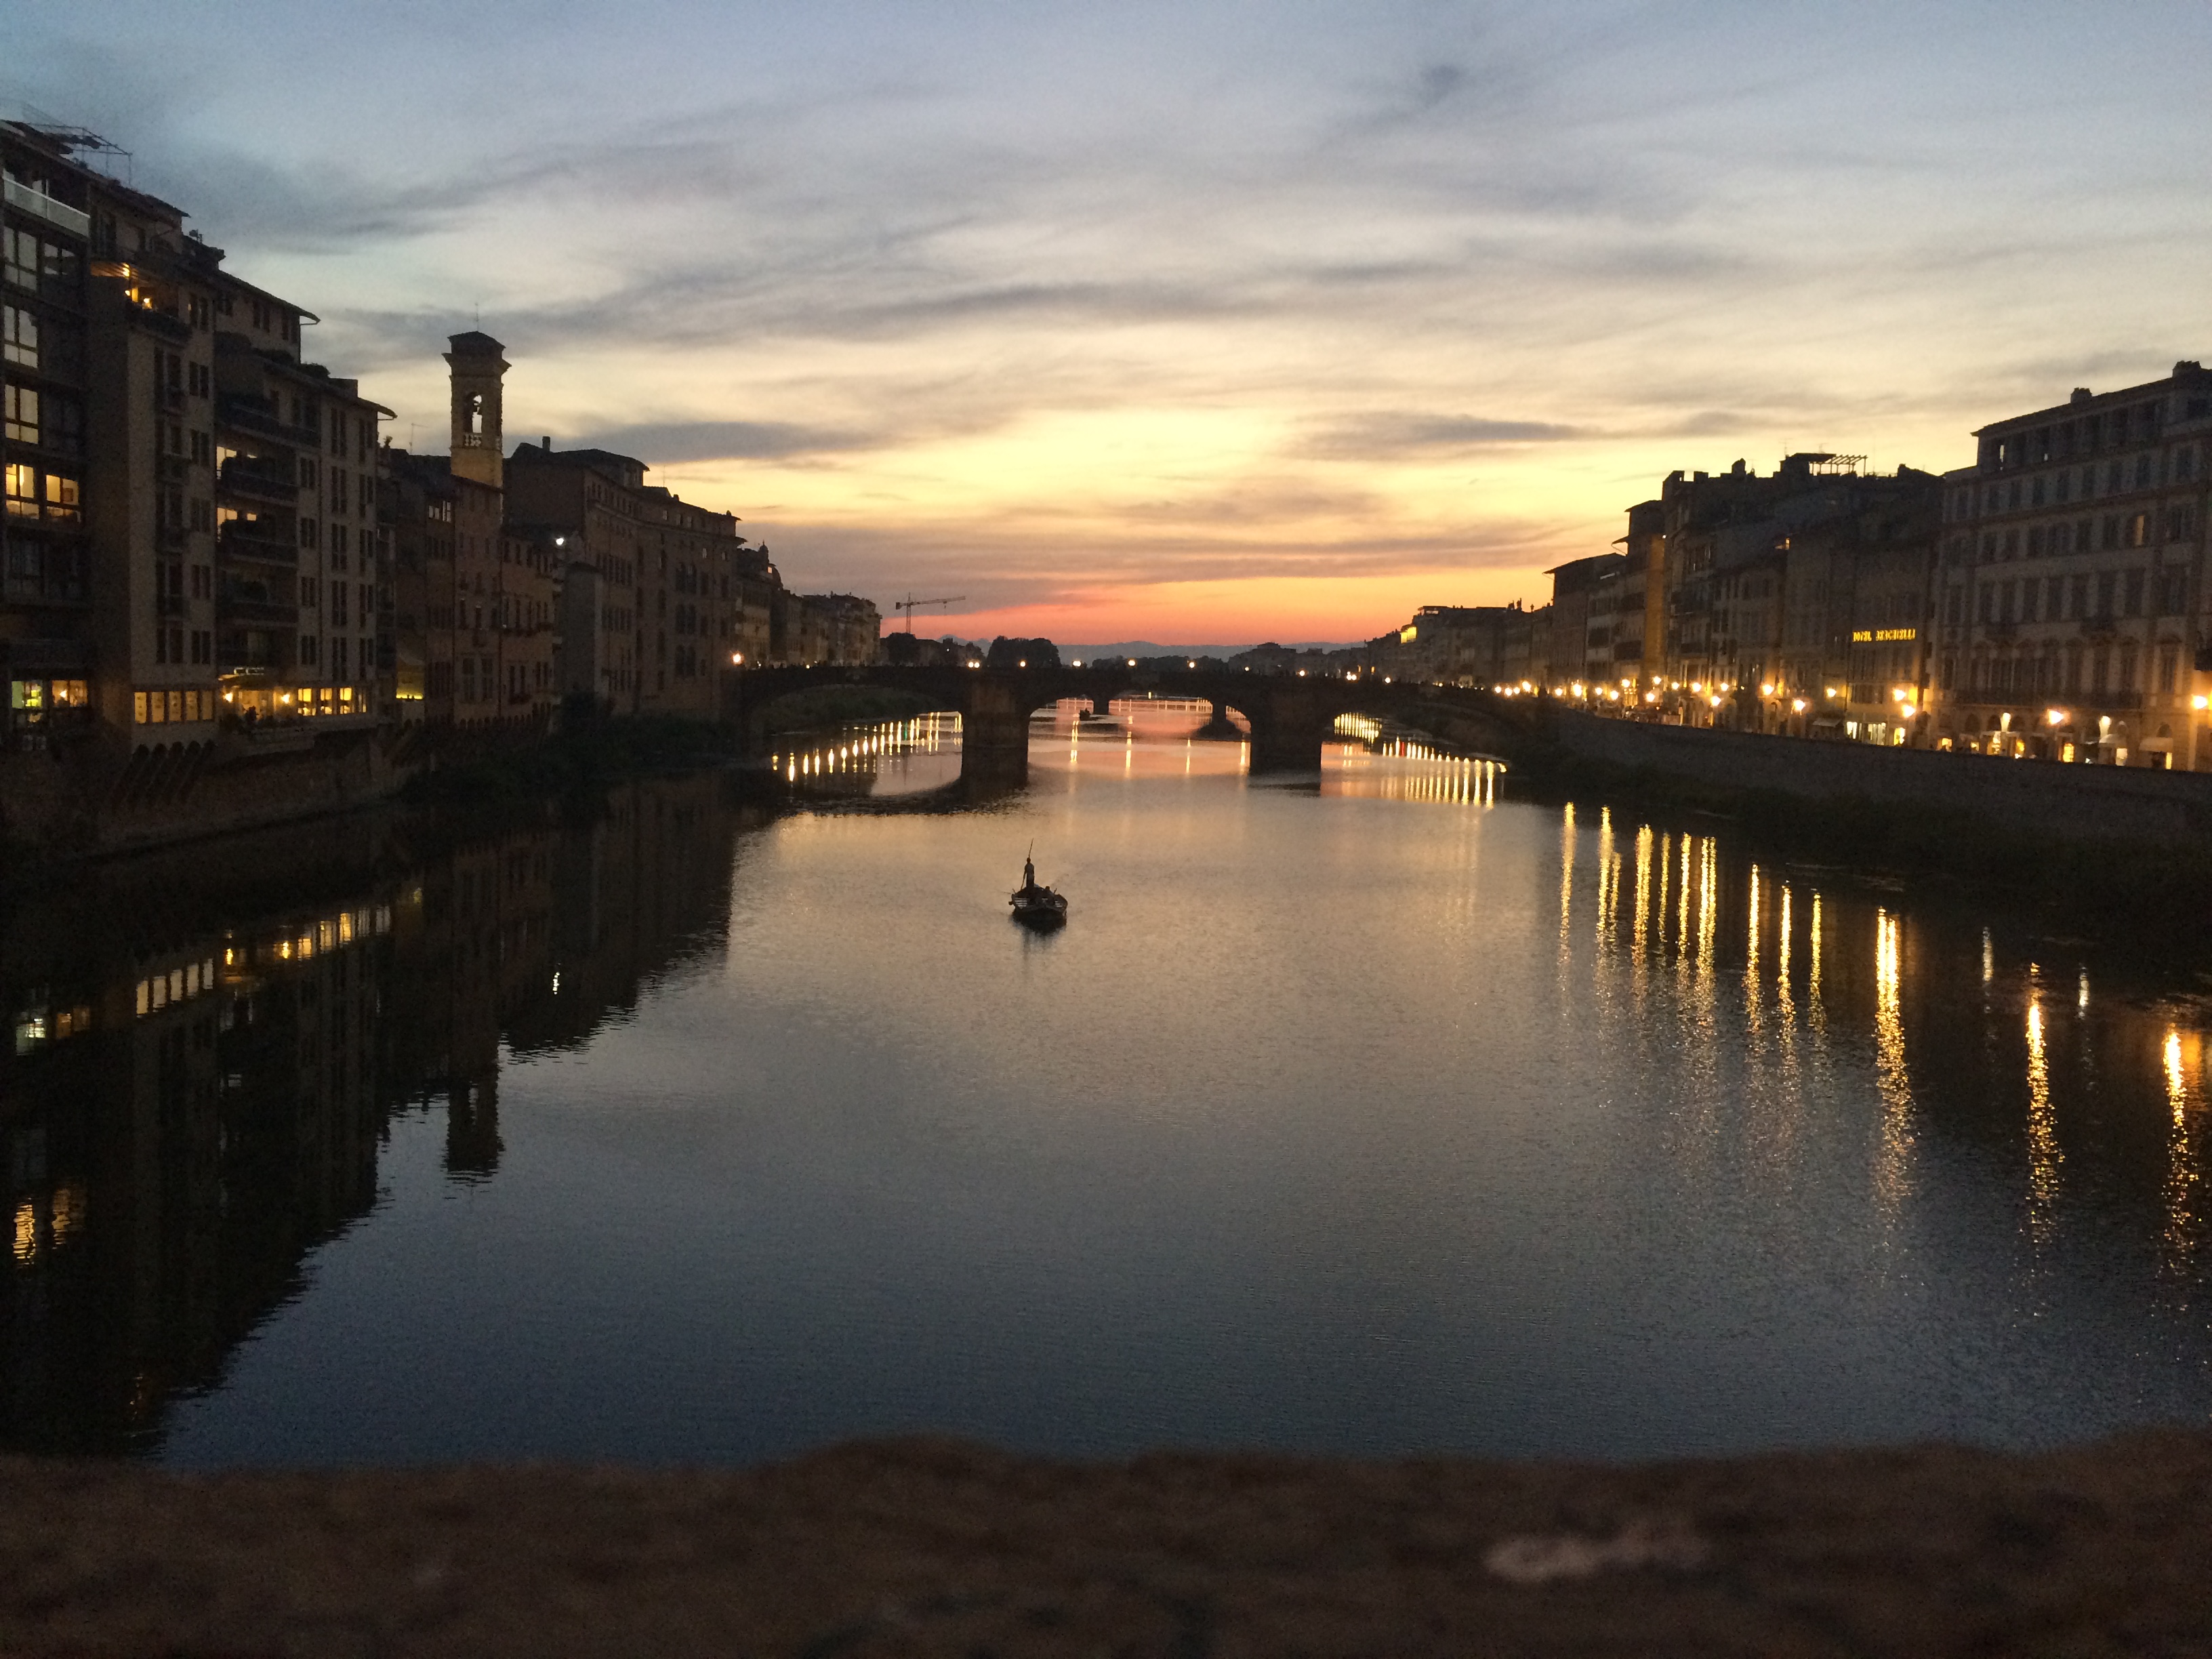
<point>1291,715</point>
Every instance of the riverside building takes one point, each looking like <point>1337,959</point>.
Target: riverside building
<point>652,590</point>
<point>2072,597</point>
<point>190,535</point>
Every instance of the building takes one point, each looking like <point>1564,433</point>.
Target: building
<point>846,627</point>
<point>190,535</point>
<point>2072,584</point>
<point>1758,577</point>
<point>657,595</point>
<point>1582,653</point>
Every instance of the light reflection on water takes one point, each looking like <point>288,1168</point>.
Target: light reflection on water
<point>1388,1117</point>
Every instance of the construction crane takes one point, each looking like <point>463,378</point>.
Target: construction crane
<point>910,604</point>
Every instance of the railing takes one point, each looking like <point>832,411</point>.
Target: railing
<point>237,608</point>
<point>171,605</point>
<point>238,542</point>
<point>169,400</point>
<point>21,196</point>
<point>171,538</point>
<point>235,410</point>
<point>172,328</point>
<point>278,483</point>
<point>175,469</point>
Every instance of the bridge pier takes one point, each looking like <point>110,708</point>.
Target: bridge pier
<point>1290,720</point>
<point>994,732</point>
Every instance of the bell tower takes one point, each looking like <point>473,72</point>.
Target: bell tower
<point>479,367</point>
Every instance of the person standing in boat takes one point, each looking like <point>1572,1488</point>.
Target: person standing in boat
<point>1028,875</point>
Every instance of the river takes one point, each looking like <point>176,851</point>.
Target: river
<point>1382,1114</point>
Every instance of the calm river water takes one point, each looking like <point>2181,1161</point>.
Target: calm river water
<point>1387,1114</point>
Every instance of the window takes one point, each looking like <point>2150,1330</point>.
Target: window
<point>2172,592</point>
<point>2128,666</point>
<point>2168,656</point>
<point>2135,593</point>
<point>2136,532</point>
<point>18,414</point>
<point>310,534</point>
<point>2107,586</point>
<point>2142,472</point>
<point>19,337</point>
<point>2180,522</point>
<point>19,257</point>
<point>60,494</point>
<point>1986,604</point>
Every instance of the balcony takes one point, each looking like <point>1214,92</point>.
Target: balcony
<point>260,479</point>
<point>257,414</point>
<point>173,469</point>
<point>171,538</point>
<point>176,331</point>
<point>24,199</point>
<point>240,543</point>
<point>248,605</point>
<point>171,605</point>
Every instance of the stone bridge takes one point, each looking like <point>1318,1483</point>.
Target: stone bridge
<point>1290,715</point>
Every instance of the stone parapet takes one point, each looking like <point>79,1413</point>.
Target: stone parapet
<point>926,1548</point>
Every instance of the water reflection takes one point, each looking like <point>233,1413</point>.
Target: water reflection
<point>888,758</point>
<point>210,1054</point>
<point>1486,1126</point>
<point>1903,992</point>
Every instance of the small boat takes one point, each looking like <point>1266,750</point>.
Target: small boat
<point>1036,906</point>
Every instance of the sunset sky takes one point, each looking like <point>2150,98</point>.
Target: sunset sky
<point>1199,321</point>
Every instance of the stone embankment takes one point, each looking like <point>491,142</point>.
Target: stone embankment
<point>2133,805</point>
<point>927,1548</point>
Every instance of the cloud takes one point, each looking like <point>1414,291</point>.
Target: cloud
<point>669,443</point>
<point>1393,433</point>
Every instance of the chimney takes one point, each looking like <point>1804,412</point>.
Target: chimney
<point>2081,395</point>
<point>546,444</point>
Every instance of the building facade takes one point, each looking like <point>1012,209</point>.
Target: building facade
<point>190,538</point>
<point>2071,598</point>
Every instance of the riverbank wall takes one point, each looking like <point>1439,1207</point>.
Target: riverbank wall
<point>2136,805</point>
<point>94,797</point>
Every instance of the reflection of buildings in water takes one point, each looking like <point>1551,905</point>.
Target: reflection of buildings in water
<point>2044,1156</point>
<point>2184,1058</point>
<point>173,1156</point>
<point>183,1122</point>
<point>889,757</point>
<point>1818,983</point>
<point>1891,1079</point>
